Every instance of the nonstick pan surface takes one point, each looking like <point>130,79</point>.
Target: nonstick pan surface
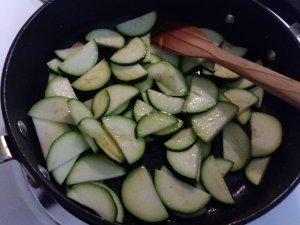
<point>59,23</point>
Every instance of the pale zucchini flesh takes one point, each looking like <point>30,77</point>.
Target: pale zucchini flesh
<point>60,86</point>
<point>181,140</point>
<point>256,169</point>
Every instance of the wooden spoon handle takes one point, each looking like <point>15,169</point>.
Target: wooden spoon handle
<point>277,84</point>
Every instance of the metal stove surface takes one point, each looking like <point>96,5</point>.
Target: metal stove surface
<point>21,203</point>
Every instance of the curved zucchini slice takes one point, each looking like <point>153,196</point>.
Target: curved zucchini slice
<point>131,53</point>
<point>170,129</point>
<point>266,134</point>
<point>140,197</point>
<point>236,145</point>
<point>95,197</point>
<point>60,86</point>
<point>66,53</point>
<point>256,169</point>
<point>178,195</point>
<point>209,123</point>
<point>138,26</point>
<point>183,139</point>
<point>210,176</point>
<point>141,109</point>
<point>94,167</point>
<point>82,61</point>
<point>100,103</point>
<point>106,38</point>
<point>122,130</point>
<point>65,148</point>
<point>128,73</point>
<point>169,76</point>
<point>61,172</point>
<point>162,102</point>
<point>94,78</point>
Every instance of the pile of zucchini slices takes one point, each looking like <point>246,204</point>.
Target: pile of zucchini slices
<point>140,93</point>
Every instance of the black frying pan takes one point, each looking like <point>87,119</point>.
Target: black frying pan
<point>60,23</point>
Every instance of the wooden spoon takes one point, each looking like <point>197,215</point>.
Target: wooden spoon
<point>190,41</point>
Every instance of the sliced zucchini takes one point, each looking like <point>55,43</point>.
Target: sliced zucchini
<point>236,145</point>
<point>213,35</point>
<point>144,85</point>
<point>128,73</point>
<point>244,116</point>
<point>222,72</point>
<point>170,129</point>
<point>188,162</point>
<point>162,102</point>
<point>178,195</point>
<point>182,140</point>
<point>153,122</point>
<point>259,93</point>
<point>202,96</point>
<point>209,123</point>
<point>61,172</point>
<point>53,108</point>
<point>224,165</point>
<point>210,176</point>
<point>165,55</point>
<point>131,53</point>
<point>236,50</point>
<point>94,129</point>
<point>266,134</point>
<point>119,94</point>
<point>94,167</point>
<point>138,26</point>
<point>82,61</point>
<point>169,76</point>
<point>129,113</point>
<point>120,209</point>
<point>122,130</point>
<point>240,97</point>
<point>64,148</point>
<point>66,53</point>
<point>100,103</point>
<point>106,38</point>
<point>140,197</point>
<point>53,65</point>
<point>94,78</point>
<point>256,169</point>
<point>121,108</point>
<point>241,83</point>
<point>60,86</point>
<point>47,131</point>
<point>141,109</point>
<point>95,197</point>
<point>79,111</point>
<point>189,63</point>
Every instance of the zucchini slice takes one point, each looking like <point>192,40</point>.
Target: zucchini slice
<point>122,131</point>
<point>100,103</point>
<point>61,172</point>
<point>94,167</point>
<point>118,95</point>
<point>140,197</point>
<point>240,97</point>
<point>65,148</point>
<point>153,122</point>
<point>66,53</point>
<point>47,132</point>
<point>210,176</point>
<point>95,197</point>
<point>236,145</point>
<point>170,129</point>
<point>141,109</point>
<point>209,123</point>
<point>106,38</point>
<point>82,61</point>
<point>138,26</point>
<point>169,76</point>
<point>213,35</point>
<point>183,139</point>
<point>266,134</point>
<point>53,65</point>
<point>128,73</point>
<point>178,195</point>
<point>94,78</point>
<point>256,169</point>
<point>203,95</point>
<point>162,102</point>
<point>222,72</point>
<point>131,53</point>
<point>94,129</point>
<point>164,55</point>
<point>259,93</point>
<point>60,86</point>
<point>53,108</point>
<point>224,165</point>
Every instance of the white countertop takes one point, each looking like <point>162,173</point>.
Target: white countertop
<point>14,13</point>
